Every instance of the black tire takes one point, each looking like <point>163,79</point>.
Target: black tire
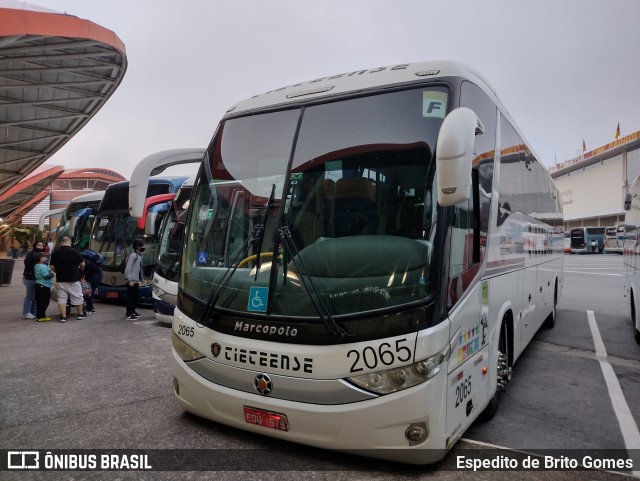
<point>492,408</point>
<point>636,335</point>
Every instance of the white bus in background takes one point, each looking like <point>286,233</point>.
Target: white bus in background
<point>614,239</point>
<point>587,240</point>
<point>76,219</point>
<point>355,275</point>
<point>171,231</point>
<point>631,254</point>
<point>115,229</point>
<point>170,245</point>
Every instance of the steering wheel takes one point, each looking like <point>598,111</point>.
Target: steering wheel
<point>253,258</point>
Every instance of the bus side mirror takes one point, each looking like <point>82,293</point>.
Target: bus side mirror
<point>150,223</point>
<point>627,202</point>
<point>454,155</point>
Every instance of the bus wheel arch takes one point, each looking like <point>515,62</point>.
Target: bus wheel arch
<point>632,306</point>
<point>550,321</point>
<point>503,365</point>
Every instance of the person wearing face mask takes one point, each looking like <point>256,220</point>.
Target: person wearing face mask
<point>29,280</point>
<point>133,276</point>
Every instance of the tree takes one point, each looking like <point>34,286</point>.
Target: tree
<point>26,234</point>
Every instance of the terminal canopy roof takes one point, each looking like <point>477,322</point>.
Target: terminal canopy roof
<point>56,72</point>
<point>25,195</point>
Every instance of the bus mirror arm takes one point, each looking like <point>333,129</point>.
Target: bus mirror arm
<point>627,202</point>
<point>454,155</point>
<point>73,222</point>
<point>150,224</point>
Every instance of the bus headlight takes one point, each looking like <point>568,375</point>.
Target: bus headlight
<point>186,352</point>
<point>392,380</point>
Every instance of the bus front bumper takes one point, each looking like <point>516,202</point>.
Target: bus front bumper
<point>374,428</point>
<point>163,310</point>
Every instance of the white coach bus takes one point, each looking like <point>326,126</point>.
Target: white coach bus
<point>631,254</point>
<point>354,274</point>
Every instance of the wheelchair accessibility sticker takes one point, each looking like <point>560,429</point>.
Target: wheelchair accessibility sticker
<point>203,257</point>
<point>258,299</point>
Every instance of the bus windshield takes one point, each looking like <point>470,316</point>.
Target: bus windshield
<point>296,211</point>
<point>114,229</point>
<point>113,236</point>
<point>171,236</point>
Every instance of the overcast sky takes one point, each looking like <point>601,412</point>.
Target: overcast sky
<point>566,70</point>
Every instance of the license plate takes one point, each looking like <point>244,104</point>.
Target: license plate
<point>112,295</point>
<point>268,419</point>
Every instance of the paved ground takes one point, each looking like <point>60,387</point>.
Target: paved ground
<point>104,383</point>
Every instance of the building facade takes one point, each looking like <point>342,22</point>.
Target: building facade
<point>69,185</point>
<point>593,185</point>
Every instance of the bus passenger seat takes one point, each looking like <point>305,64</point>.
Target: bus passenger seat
<point>355,207</point>
<point>409,221</point>
<point>329,189</point>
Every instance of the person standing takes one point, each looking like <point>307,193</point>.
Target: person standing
<point>50,246</point>
<point>66,263</point>
<point>43,287</point>
<point>93,275</point>
<point>133,276</point>
<point>29,281</point>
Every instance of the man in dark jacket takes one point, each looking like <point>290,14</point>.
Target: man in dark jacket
<point>67,263</point>
<point>93,275</point>
<point>29,281</point>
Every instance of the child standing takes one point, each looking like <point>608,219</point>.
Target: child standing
<point>43,287</point>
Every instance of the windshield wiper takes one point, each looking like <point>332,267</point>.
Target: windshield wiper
<point>215,295</point>
<point>106,237</point>
<point>254,239</point>
<point>316,299</point>
<point>260,228</point>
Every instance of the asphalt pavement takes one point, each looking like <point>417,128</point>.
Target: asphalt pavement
<point>104,383</point>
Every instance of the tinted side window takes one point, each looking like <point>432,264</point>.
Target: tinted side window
<point>525,185</point>
<point>484,149</point>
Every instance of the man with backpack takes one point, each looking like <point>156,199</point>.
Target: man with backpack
<point>92,274</point>
<point>67,263</point>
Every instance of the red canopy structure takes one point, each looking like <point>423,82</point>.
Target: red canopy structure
<point>56,72</point>
<point>24,195</point>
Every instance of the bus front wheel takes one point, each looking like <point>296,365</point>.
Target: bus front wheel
<point>503,373</point>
